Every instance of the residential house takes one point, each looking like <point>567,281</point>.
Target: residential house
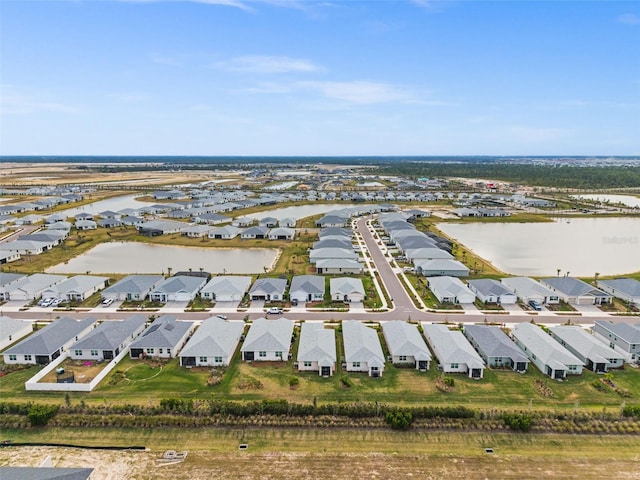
<point>226,288</point>
<point>333,266</point>
<point>450,290</point>
<point>335,232</point>
<point>622,337</point>
<point>45,473</point>
<point>211,218</point>
<point>496,348</point>
<point>528,290</point>
<point>282,233</point>
<point>307,288</point>
<point>333,220</point>
<point>268,340</point>
<point>288,222</point>
<point>362,350</point>
<point>224,233</point>
<point>31,288</point>
<point>317,349</point>
<point>257,233</point>
<point>213,344</point>
<point>163,338</point>
<point>595,355</point>
<point>9,256</point>
<point>86,225</point>
<point>154,228</point>
<point>454,353</point>
<point>132,287</point>
<point>406,345</point>
<point>332,253</point>
<point>108,339</point>
<point>333,242</point>
<point>24,247</point>
<point>179,288</point>
<point>12,330</point>
<point>441,267</point>
<point>49,342</point>
<point>269,222</point>
<point>549,356</point>
<point>489,290</point>
<point>346,289</point>
<point>268,289</point>
<point>111,223</point>
<point>432,253</point>
<point>627,289</point>
<point>8,281</point>
<point>77,288</point>
<point>576,292</point>
<point>196,231</point>
<point>131,221</point>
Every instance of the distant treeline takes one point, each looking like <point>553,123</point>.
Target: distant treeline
<point>542,175</point>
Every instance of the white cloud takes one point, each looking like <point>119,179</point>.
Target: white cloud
<point>629,19</point>
<point>268,64</point>
<point>12,103</point>
<point>361,92</point>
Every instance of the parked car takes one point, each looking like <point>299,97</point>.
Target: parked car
<point>223,317</point>
<point>47,302</point>
<point>535,305</point>
<point>107,301</point>
<point>274,311</point>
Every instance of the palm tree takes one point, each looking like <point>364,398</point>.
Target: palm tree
<point>558,272</point>
<point>169,269</point>
<point>595,278</point>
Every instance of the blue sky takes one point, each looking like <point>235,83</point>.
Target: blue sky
<point>341,77</point>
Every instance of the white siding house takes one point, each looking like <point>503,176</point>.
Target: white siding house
<point>12,330</point>
<point>213,344</point>
<point>268,340</point>
<point>450,290</point>
<point>454,353</point>
<point>108,339</point>
<point>362,350</point>
<point>406,345</point>
<point>624,338</point>
<point>592,352</point>
<point>317,349</point>
<point>163,338</point>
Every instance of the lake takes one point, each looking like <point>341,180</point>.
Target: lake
<point>113,204</point>
<point>134,257</point>
<point>581,246</point>
<point>628,200</point>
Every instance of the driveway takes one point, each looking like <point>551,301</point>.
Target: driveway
<point>225,307</point>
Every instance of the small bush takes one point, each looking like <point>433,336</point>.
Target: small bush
<point>39,415</point>
<point>631,411</point>
<point>346,381</point>
<point>399,420</point>
<point>518,421</point>
<point>294,382</point>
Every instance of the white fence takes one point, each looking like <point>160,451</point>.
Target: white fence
<point>33,382</point>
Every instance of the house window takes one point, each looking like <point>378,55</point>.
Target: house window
<point>279,354</point>
<point>27,358</point>
<point>94,353</point>
<point>217,359</point>
<point>13,358</point>
<point>533,356</point>
<point>168,351</point>
<point>262,354</point>
<point>78,353</point>
<point>160,350</point>
<point>150,351</point>
<point>307,364</point>
<point>454,366</point>
<point>402,358</point>
<point>573,367</point>
<point>203,359</point>
<point>356,364</point>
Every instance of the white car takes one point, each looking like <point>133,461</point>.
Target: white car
<point>107,301</point>
<point>223,317</point>
<point>274,311</point>
<point>47,302</point>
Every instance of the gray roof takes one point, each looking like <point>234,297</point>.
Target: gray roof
<point>50,338</point>
<point>215,337</point>
<point>180,283</point>
<point>448,287</point>
<point>308,283</point>
<point>110,334</point>
<point>404,339</point>
<point>450,346</point>
<point>133,284</point>
<point>543,346</point>
<point>6,278</point>
<point>163,225</point>
<point>227,285</point>
<point>269,335</point>
<point>317,344</point>
<point>489,286</point>
<point>340,242</point>
<point>345,285</point>
<point>427,253</point>
<point>526,287</point>
<point>494,342</point>
<point>584,343</point>
<point>44,473</point>
<point>322,253</point>
<point>339,263</point>
<point>9,326</point>
<point>628,286</point>
<point>335,231</point>
<point>361,344</point>
<point>166,331</point>
<point>628,332</point>
<point>441,264</point>
<point>269,286</point>
<point>80,284</point>
<point>255,231</point>
<point>573,287</point>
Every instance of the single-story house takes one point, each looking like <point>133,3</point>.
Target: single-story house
<point>333,242</point>
<point>333,266</point>
<point>428,253</point>
<point>110,223</point>
<point>268,340</point>
<point>282,233</point>
<point>622,337</point>
<point>77,288</point>
<point>317,349</point>
<point>335,232</point>
<point>211,218</point>
<point>179,288</point>
<point>496,348</point>
<point>333,253</point>
<point>528,290</point>
<point>450,290</point>
<point>288,222</point>
<point>627,289</point>
<point>132,287</point>
<point>108,339</point>
<point>453,351</point>
<point>132,220</point>
<point>406,345</point>
<point>32,287</point>
<point>549,356</point>
<point>49,342</point>
<point>268,289</point>
<point>226,288</point>
<point>489,290</point>
<point>224,233</point>
<point>362,349</point>
<point>595,355</point>
<point>12,330</point>
<point>45,473</point>
<point>255,233</point>
<point>333,220</point>
<point>307,288</point>
<point>154,228</point>
<point>8,281</point>
<point>25,247</point>
<point>441,267</point>
<point>85,225</point>
<point>269,222</point>
<point>346,289</point>
<point>163,338</point>
<point>196,231</point>
<point>576,292</point>
<point>9,256</point>
<point>213,344</point>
